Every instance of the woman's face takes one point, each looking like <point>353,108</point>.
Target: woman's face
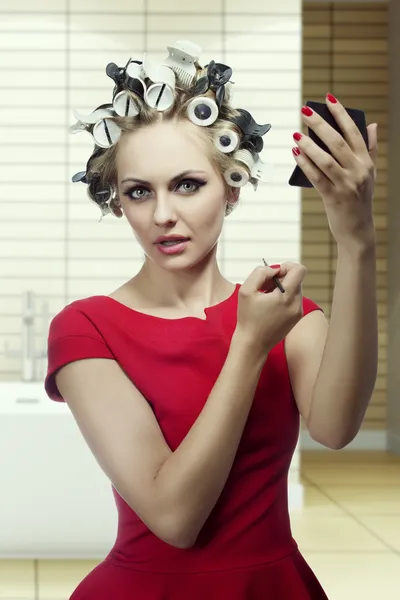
<point>168,185</point>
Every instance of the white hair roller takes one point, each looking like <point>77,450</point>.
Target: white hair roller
<point>124,105</point>
<point>101,126</point>
<point>245,157</point>
<point>226,140</point>
<point>161,94</point>
<point>229,93</point>
<point>203,111</point>
<point>134,70</point>
<point>106,133</point>
<point>236,176</point>
<point>94,117</point>
<point>182,58</point>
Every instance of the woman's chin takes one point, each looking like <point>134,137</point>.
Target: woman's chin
<point>178,262</point>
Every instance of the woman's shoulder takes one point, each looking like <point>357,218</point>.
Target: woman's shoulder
<point>310,305</point>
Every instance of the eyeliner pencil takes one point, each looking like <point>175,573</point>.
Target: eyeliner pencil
<point>276,280</point>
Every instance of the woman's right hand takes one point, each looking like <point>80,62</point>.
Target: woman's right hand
<point>265,314</point>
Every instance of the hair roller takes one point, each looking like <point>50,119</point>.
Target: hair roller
<point>124,105</point>
<point>203,111</point>
<point>134,78</point>
<point>161,93</point>
<point>97,192</point>
<point>106,133</point>
<point>239,174</point>
<point>236,176</point>
<point>245,157</point>
<point>182,59</point>
<point>226,140</point>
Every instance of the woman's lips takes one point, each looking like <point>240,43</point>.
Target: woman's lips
<point>175,248</point>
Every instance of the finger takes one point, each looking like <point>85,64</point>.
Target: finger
<point>294,278</point>
<point>323,161</point>
<point>319,180</point>
<point>350,131</point>
<point>332,139</point>
<point>270,284</point>
<point>286,266</point>
<point>372,131</point>
<point>257,278</point>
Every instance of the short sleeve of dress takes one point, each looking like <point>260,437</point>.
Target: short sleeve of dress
<point>310,306</point>
<point>72,337</point>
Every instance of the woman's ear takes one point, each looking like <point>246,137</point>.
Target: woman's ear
<point>116,208</point>
<point>232,196</point>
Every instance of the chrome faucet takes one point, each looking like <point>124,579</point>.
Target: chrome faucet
<point>28,353</point>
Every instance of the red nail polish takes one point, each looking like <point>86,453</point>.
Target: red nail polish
<point>275,266</point>
<point>296,151</point>
<point>331,98</point>
<point>306,110</point>
<point>297,136</point>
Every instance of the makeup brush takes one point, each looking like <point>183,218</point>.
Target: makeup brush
<point>276,280</point>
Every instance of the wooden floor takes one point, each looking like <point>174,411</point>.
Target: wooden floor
<point>348,531</point>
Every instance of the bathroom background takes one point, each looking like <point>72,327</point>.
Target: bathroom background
<point>53,250</point>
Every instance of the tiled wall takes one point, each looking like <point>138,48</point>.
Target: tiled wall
<point>53,55</point>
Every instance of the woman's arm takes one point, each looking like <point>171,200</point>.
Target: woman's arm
<point>173,493</point>
<point>333,370</point>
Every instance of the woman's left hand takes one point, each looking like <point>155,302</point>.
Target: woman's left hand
<point>345,180</point>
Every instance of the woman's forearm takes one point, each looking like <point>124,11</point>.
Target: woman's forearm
<point>347,375</point>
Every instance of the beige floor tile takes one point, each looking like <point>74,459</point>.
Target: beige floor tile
<point>317,503</point>
<point>354,457</point>
<point>366,500</point>
<point>58,578</point>
<point>387,528</point>
<point>351,468</point>
<point>363,474</point>
<point>357,576</point>
<point>17,579</point>
<point>329,533</point>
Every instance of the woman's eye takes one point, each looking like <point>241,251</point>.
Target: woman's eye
<point>136,193</point>
<point>190,186</point>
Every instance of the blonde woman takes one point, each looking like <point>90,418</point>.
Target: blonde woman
<point>188,388</point>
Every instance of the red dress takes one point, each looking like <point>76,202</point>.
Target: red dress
<point>245,550</point>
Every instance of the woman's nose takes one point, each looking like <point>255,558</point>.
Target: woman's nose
<point>164,211</point>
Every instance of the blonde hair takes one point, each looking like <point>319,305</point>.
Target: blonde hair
<point>102,170</point>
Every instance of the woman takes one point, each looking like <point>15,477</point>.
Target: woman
<point>191,399</point>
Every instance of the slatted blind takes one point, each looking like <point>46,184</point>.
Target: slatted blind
<point>345,52</point>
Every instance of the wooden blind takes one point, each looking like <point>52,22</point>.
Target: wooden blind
<point>345,52</point>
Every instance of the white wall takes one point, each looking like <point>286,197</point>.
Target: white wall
<point>53,58</point>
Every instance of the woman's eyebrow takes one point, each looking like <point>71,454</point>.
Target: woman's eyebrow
<point>176,178</point>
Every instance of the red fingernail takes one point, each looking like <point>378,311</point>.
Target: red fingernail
<point>331,98</point>
<point>306,110</point>
<point>275,266</point>
<point>296,151</point>
<point>297,136</point>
